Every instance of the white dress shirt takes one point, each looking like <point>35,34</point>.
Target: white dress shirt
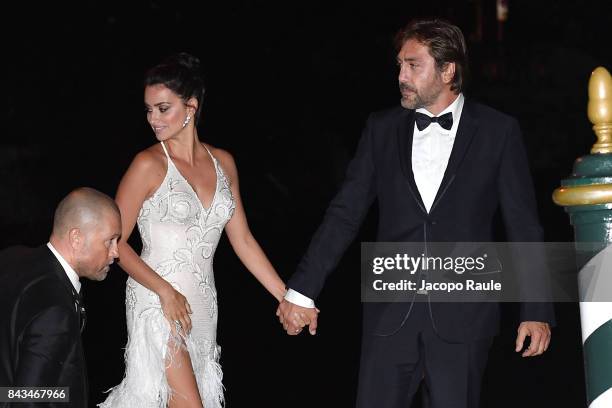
<point>72,275</point>
<point>431,149</point>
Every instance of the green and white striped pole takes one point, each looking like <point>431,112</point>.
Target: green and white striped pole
<point>587,197</point>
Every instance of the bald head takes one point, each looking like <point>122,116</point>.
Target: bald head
<point>86,230</point>
<point>82,208</point>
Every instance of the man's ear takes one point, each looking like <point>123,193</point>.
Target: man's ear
<point>75,238</point>
<point>448,72</point>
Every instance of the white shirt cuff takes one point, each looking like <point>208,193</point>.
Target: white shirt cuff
<point>297,298</point>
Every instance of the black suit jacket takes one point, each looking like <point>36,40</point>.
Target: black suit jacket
<point>487,169</point>
<point>40,339</point>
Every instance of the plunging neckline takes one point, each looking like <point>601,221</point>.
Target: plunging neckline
<point>193,190</point>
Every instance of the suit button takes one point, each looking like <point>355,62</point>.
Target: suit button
<point>431,222</point>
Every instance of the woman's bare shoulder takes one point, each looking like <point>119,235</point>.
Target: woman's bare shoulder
<point>224,157</point>
<point>148,167</point>
<point>150,159</point>
<point>145,174</point>
<point>226,161</point>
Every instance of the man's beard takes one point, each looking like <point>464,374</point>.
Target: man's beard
<point>420,100</point>
<point>414,101</point>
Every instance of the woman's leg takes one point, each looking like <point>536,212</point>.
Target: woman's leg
<point>182,381</point>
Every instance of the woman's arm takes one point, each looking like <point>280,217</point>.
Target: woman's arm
<point>142,177</point>
<point>241,238</point>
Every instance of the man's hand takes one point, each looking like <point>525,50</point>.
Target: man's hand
<point>540,338</point>
<point>294,318</point>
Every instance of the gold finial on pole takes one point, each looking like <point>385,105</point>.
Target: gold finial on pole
<point>600,109</point>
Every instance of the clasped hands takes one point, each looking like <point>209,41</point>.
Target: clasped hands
<point>294,318</point>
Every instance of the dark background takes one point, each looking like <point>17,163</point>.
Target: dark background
<point>289,86</point>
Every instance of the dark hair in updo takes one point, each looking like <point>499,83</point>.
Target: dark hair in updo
<point>181,74</point>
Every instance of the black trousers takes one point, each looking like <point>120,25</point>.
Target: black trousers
<point>392,367</point>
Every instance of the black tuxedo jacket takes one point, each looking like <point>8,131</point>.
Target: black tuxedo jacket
<point>487,169</point>
<point>40,339</point>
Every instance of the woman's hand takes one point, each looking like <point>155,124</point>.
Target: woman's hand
<point>176,309</point>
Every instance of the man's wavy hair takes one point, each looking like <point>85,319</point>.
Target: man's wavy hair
<point>445,42</point>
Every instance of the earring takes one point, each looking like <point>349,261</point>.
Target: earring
<point>186,121</point>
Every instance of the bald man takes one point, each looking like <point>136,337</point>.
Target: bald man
<point>41,314</point>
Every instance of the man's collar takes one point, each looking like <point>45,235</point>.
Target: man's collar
<point>455,108</point>
<point>450,108</point>
<point>72,275</point>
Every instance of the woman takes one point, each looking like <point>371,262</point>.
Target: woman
<point>181,193</point>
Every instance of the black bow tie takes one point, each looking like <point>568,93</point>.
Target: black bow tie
<point>422,120</point>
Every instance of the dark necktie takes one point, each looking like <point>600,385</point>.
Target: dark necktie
<point>422,120</point>
<point>80,306</point>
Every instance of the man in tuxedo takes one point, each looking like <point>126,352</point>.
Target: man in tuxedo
<point>41,312</point>
<point>440,165</point>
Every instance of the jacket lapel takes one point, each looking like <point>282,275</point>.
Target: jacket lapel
<point>405,131</point>
<point>465,133</point>
<point>57,269</point>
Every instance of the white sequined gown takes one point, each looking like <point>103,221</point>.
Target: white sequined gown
<point>179,239</point>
